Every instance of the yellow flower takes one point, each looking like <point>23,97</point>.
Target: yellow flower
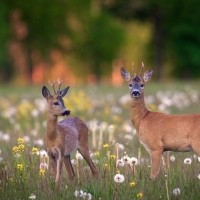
<point>41,172</point>
<point>132,183</point>
<point>97,153</point>
<point>105,146</point>
<point>105,165</point>
<point>21,147</point>
<point>139,195</point>
<point>15,149</point>
<point>20,140</point>
<point>11,179</point>
<point>118,171</point>
<point>20,166</point>
<point>34,150</point>
<point>113,157</point>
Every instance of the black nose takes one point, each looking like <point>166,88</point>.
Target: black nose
<point>135,93</point>
<point>66,113</point>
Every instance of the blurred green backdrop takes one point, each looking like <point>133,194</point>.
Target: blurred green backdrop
<point>88,41</point>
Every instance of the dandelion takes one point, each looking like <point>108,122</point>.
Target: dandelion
<point>78,193</point>
<point>42,153</point>
<point>105,165</point>
<point>132,183</point>
<point>112,157</point>
<point>32,196</point>
<point>133,161</point>
<point>20,140</point>
<point>188,161</point>
<point>176,192</point>
<point>139,195</point>
<point>19,166</point>
<point>34,150</point>
<point>41,172</point>
<point>172,158</point>
<point>15,149</point>
<point>126,159</point>
<point>105,146</point>
<point>198,176</point>
<point>97,154</point>
<point>79,156</point>
<point>120,163</point>
<point>119,178</point>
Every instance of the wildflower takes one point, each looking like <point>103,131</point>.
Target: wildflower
<point>120,163</point>
<point>176,192</point>
<point>21,147</point>
<point>19,166</point>
<point>26,139</point>
<point>105,165</point>
<point>73,161</point>
<point>42,153</point>
<point>78,193</point>
<point>126,159</point>
<point>188,161</point>
<point>44,166</point>
<point>132,183</point>
<point>118,171</point>
<point>198,176</point>
<point>105,146</point>
<point>133,161</point>
<point>139,195</point>
<point>20,140</point>
<point>87,196</point>
<point>11,179</point>
<point>97,154</point>
<point>32,196</point>
<point>15,149</point>
<point>118,178</point>
<point>34,150</point>
<point>113,157</point>
<point>79,156</point>
<point>172,158</point>
<point>41,172</point>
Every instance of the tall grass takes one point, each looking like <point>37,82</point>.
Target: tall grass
<point>105,109</point>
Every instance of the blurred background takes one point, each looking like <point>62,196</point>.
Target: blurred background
<point>88,41</point>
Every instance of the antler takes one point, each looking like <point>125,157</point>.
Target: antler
<point>52,85</point>
<point>133,69</point>
<point>141,69</point>
<point>59,84</point>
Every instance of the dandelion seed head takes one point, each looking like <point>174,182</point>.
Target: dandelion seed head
<point>176,191</point>
<point>32,196</point>
<point>187,161</point>
<point>118,178</point>
<point>133,161</point>
<point>172,158</point>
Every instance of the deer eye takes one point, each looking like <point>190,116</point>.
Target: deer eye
<point>130,86</point>
<point>55,103</point>
<point>142,86</point>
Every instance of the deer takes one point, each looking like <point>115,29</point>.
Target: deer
<point>62,138</point>
<point>159,132</point>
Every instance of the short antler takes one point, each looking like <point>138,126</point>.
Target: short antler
<point>141,69</point>
<point>133,69</point>
<point>52,85</point>
<point>59,84</point>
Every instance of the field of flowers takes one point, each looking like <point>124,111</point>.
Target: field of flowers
<point>122,162</point>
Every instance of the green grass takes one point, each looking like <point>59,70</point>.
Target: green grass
<point>101,103</point>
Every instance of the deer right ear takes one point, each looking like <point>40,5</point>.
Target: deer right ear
<point>45,92</point>
<point>147,75</point>
<point>125,75</point>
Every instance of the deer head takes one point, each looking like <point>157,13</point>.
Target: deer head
<point>56,104</point>
<point>136,83</point>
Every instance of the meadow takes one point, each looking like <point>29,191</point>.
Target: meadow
<point>24,169</point>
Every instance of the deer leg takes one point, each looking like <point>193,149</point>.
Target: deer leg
<point>155,163</point>
<point>86,156</point>
<point>53,164</point>
<point>69,167</point>
<point>58,169</point>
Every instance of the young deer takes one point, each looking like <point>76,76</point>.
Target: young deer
<point>159,132</point>
<point>63,138</point>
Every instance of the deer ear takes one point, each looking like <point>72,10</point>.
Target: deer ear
<point>64,92</point>
<point>125,75</point>
<point>147,75</point>
<point>45,92</point>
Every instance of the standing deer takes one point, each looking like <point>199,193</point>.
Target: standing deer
<point>63,138</point>
<point>159,132</point>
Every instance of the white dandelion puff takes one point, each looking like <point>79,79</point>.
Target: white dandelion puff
<point>133,161</point>
<point>176,192</point>
<point>172,158</point>
<point>120,163</point>
<point>187,161</point>
<point>118,178</point>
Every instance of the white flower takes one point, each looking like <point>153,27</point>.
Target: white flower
<point>35,113</point>
<point>32,196</point>
<point>118,178</point>
<point>199,158</point>
<point>39,142</point>
<point>121,146</point>
<point>79,156</point>
<point>176,192</point>
<point>120,163</point>
<point>133,161</point>
<point>126,159</point>
<point>6,137</point>
<point>128,137</point>
<point>78,193</point>
<point>73,161</point>
<point>87,196</point>
<point>188,161</point>
<point>198,176</point>
<point>42,153</point>
<point>111,128</point>
<point>172,158</point>
<point>26,138</point>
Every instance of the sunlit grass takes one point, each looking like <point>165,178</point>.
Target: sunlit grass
<point>24,167</point>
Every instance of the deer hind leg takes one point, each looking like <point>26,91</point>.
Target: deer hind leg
<point>155,163</point>
<point>69,167</point>
<point>85,153</point>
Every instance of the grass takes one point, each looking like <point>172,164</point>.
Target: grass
<point>23,115</point>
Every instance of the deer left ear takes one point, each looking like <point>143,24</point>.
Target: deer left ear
<point>64,92</point>
<point>147,75</point>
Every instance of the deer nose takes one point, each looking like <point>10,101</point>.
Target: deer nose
<point>66,113</point>
<point>135,93</point>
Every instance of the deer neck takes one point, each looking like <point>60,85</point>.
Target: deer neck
<point>51,131</point>
<point>138,110</point>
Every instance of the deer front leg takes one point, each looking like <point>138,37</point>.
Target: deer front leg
<point>58,169</point>
<point>155,163</point>
<point>69,167</point>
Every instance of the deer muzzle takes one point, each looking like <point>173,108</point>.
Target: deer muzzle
<point>66,113</point>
